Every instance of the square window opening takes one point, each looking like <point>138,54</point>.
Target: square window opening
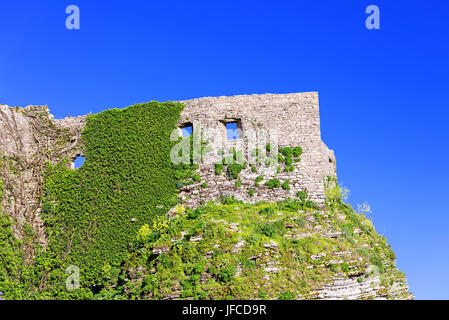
<point>186,129</point>
<point>233,130</point>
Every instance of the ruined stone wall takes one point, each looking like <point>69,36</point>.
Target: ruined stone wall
<point>293,118</point>
<point>29,137</point>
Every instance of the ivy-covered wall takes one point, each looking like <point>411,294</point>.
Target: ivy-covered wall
<point>92,213</point>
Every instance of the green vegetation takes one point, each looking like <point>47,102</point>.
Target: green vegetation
<point>108,218</point>
<point>286,185</point>
<point>92,214</point>
<point>233,262</point>
<point>233,163</point>
<point>234,170</point>
<point>218,168</point>
<point>207,259</point>
<point>273,183</point>
<point>302,195</point>
<point>127,176</point>
<point>258,180</point>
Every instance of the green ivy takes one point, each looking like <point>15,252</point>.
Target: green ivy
<point>126,181</point>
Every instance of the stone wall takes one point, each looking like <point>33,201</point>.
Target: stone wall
<point>293,118</point>
<point>30,137</point>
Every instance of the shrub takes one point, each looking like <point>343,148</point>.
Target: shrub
<point>196,177</point>
<point>234,170</point>
<point>246,263</point>
<point>267,211</point>
<point>194,268</point>
<point>310,204</point>
<point>229,200</point>
<point>165,260</point>
<point>218,168</point>
<point>204,185</point>
<point>255,152</point>
<point>238,184</point>
<point>143,233</point>
<point>251,192</point>
<point>377,261</point>
<point>258,180</point>
<point>302,195</point>
<point>273,183</point>
<point>286,185</point>
<point>193,214</point>
<point>179,209</point>
<point>297,151</point>
<point>286,296</point>
<point>301,221</point>
<point>287,152</point>
<point>226,273</point>
<point>267,230</point>
<point>270,229</point>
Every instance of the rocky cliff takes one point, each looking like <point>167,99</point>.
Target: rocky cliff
<point>283,244</point>
<point>285,250</point>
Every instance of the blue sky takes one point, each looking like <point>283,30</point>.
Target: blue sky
<point>384,94</point>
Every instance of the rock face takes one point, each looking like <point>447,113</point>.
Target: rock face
<point>290,251</point>
<point>29,137</point>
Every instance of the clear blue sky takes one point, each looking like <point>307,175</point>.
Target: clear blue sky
<point>384,94</point>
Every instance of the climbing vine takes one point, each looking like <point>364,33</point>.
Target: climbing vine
<point>127,180</point>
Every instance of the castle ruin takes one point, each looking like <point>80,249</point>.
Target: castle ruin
<point>293,118</point>
<point>30,136</point>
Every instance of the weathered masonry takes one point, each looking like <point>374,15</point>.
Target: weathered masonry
<point>30,136</point>
<point>293,120</point>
